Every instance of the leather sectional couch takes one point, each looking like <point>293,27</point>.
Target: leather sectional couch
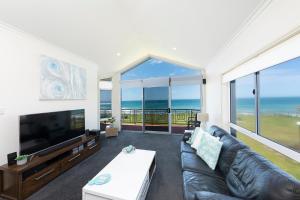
<point>240,174</point>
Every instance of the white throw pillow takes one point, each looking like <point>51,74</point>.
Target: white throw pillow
<point>209,149</point>
<point>193,136</point>
<point>197,139</point>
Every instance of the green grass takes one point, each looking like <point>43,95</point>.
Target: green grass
<point>290,166</point>
<point>279,128</point>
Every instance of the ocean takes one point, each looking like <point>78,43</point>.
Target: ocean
<point>270,105</point>
<point>158,104</point>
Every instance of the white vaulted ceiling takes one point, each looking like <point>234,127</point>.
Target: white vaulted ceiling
<point>99,29</point>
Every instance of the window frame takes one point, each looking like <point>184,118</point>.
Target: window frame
<point>257,135</point>
<point>102,102</point>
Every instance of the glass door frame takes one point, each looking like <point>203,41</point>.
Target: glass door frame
<point>167,82</point>
<point>168,111</point>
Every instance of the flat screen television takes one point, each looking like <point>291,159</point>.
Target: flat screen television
<point>39,132</point>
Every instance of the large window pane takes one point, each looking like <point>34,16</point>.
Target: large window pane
<point>105,103</point>
<point>280,103</point>
<point>243,102</point>
<point>132,109</point>
<point>185,103</point>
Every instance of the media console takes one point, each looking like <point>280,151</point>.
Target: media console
<point>19,182</point>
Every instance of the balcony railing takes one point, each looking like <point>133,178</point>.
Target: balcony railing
<point>132,118</point>
<point>105,113</point>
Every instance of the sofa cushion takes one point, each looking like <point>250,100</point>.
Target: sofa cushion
<point>194,182</point>
<point>209,149</point>
<point>253,177</point>
<point>184,147</point>
<point>194,133</point>
<point>198,138</point>
<point>192,162</point>
<point>229,150</point>
<point>203,195</point>
<point>212,129</point>
<point>217,131</point>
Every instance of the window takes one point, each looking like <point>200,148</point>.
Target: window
<point>243,102</point>
<point>105,103</point>
<point>132,109</point>
<point>268,103</point>
<point>280,103</point>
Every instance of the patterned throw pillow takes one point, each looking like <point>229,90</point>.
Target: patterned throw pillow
<point>197,139</point>
<point>209,149</point>
<point>192,138</point>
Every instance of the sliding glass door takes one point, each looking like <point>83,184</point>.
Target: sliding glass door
<point>132,109</point>
<point>163,105</point>
<point>156,109</point>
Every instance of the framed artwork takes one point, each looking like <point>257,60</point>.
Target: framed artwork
<point>60,80</point>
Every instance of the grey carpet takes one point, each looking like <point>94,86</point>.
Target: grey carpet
<point>166,184</point>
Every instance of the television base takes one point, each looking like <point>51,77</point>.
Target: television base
<point>19,182</point>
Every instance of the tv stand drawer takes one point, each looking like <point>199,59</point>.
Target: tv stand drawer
<point>71,160</point>
<point>39,179</point>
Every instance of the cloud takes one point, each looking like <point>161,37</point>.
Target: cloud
<point>154,61</point>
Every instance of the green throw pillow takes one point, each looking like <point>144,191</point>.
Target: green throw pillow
<point>197,139</point>
<point>193,136</point>
<point>209,149</point>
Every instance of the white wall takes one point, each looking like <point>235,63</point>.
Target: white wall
<point>116,99</point>
<point>268,25</point>
<point>19,85</point>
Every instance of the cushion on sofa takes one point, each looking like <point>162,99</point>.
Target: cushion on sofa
<point>192,162</point>
<point>209,149</point>
<point>184,147</point>
<point>194,182</point>
<point>197,139</point>
<point>204,195</point>
<point>253,177</point>
<point>212,129</point>
<point>194,133</point>
<point>229,150</point>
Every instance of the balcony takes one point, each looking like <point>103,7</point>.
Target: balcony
<point>157,119</point>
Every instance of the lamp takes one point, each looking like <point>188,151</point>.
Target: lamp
<point>203,118</point>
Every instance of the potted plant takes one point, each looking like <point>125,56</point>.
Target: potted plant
<point>111,130</point>
<point>112,122</point>
<point>22,159</point>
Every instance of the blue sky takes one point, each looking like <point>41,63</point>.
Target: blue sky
<point>156,68</point>
<point>282,80</point>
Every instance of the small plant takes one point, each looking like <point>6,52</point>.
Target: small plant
<point>112,121</point>
<point>21,157</point>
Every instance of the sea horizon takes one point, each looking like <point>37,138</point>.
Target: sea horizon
<point>268,105</point>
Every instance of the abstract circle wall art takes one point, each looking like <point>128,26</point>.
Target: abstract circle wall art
<point>60,80</point>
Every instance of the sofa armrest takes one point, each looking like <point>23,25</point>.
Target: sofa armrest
<point>203,195</point>
<point>186,136</point>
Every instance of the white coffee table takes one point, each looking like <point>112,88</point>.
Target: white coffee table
<point>131,175</point>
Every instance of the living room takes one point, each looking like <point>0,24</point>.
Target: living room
<point>171,70</point>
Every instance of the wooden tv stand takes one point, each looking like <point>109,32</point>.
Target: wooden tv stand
<point>19,182</point>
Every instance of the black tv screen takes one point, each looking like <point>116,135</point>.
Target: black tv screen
<point>41,131</point>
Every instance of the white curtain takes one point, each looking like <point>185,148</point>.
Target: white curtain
<point>278,54</point>
<point>186,80</point>
<point>162,82</point>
